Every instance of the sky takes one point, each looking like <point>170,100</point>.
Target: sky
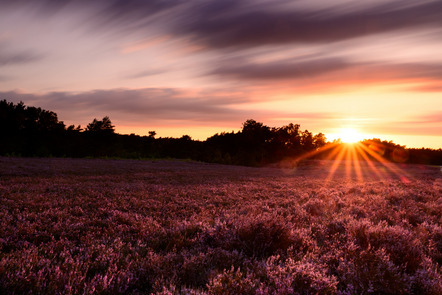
<point>200,67</point>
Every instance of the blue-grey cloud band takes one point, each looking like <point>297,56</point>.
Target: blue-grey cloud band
<point>220,24</point>
<point>261,26</point>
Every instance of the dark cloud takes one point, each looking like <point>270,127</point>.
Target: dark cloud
<point>114,8</point>
<point>18,58</point>
<point>120,17</point>
<point>281,69</point>
<point>5,78</point>
<point>140,105</point>
<point>125,9</point>
<point>417,70</point>
<point>142,74</point>
<point>334,70</point>
<point>41,7</point>
<point>132,16</point>
<point>230,24</point>
<point>161,106</point>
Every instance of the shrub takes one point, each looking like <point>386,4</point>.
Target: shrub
<point>403,248</point>
<point>299,277</point>
<point>231,282</point>
<point>262,236</point>
<point>370,271</point>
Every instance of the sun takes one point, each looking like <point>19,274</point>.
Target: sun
<point>350,135</point>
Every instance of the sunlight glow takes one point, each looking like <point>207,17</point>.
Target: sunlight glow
<point>350,135</point>
<point>358,162</point>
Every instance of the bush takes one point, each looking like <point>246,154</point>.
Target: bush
<point>262,236</point>
<point>371,271</point>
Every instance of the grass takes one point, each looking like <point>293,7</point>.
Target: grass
<point>88,226</point>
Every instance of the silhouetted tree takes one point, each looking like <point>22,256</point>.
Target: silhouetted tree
<point>255,139</point>
<point>307,140</point>
<point>319,140</point>
<point>72,128</point>
<point>32,131</point>
<point>287,140</point>
<point>105,125</point>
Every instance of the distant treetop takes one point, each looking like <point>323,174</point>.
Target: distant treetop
<point>105,125</point>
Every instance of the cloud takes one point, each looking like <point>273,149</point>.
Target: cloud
<point>113,17</point>
<point>426,124</point>
<point>429,118</point>
<point>5,78</point>
<point>228,23</point>
<point>18,58</point>
<point>234,25</point>
<point>140,105</point>
<point>129,16</point>
<point>323,73</point>
<point>158,106</point>
<point>281,69</point>
<point>114,8</point>
<point>143,74</point>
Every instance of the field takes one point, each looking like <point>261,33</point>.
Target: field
<point>138,227</point>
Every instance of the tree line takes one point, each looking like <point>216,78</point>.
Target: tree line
<point>35,132</point>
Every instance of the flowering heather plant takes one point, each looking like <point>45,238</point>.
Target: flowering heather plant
<point>166,227</point>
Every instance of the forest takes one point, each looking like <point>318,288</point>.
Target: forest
<point>29,131</point>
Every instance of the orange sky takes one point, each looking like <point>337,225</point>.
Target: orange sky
<point>202,67</point>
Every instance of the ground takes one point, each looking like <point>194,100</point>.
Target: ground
<point>71,226</point>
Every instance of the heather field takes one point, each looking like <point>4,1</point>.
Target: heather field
<point>83,226</point>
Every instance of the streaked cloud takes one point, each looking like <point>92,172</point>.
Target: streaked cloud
<point>427,87</point>
<point>247,23</point>
<point>328,73</point>
<point>5,78</point>
<point>138,104</point>
<point>218,63</point>
<point>235,23</point>
<point>429,118</point>
<point>280,69</point>
<point>8,58</point>
<point>143,74</point>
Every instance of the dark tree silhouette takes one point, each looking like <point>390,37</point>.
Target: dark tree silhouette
<point>319,140</point>
<point>105,125</point>
<point>31,131</point>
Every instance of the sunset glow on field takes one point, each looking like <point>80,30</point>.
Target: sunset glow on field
<point>218,147</point>
<point>83,226</point>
